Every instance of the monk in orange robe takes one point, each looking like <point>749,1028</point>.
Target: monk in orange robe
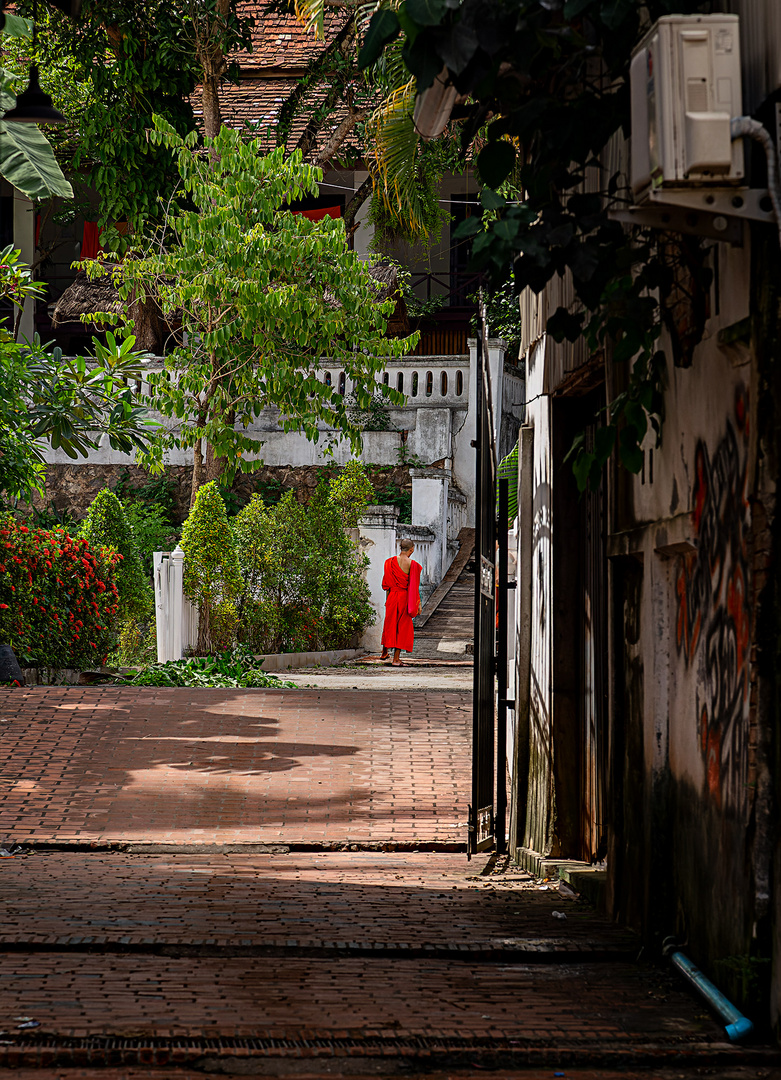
<point>401,581</point>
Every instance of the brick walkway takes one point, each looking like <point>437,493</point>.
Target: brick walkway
<point>307,963</point>
<point>223,766</point>
<point>149,956</point>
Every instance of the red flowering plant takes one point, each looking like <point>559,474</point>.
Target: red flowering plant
<point>58,598</point>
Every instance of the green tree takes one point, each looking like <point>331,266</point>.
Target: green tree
<point>303,581</point>
<point>211,569</point>
<point>68,403</point>
<point>26,157</point>
<point>547,86</point>
<point>264,297</point>
<point>106,526</point>
<point>116,66</point>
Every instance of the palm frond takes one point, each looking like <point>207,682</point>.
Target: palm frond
<point>394,161</point>
<point>311,14</point>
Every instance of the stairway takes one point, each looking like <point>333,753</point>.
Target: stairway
<point>445,628</point>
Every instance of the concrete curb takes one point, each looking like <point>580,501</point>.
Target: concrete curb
<point>249,848</point>
<point>291,660</point>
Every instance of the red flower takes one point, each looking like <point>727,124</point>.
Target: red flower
<point>4,606</point>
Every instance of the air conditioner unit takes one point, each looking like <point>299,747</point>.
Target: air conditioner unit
<point>685,86</point>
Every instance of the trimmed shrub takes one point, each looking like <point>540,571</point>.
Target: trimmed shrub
<point>105,526</point>
<point>58,598</point>
<point>211,569</point>
<point>303,584</point>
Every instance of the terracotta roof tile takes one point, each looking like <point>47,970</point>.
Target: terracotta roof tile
<point>257,102</point>
<point>279,41</point>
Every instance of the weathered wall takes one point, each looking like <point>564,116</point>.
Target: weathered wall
<point>540,809</point>
<point>683,731</point>
<point>72,487</point>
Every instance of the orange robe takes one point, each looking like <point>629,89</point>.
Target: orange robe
<point>402,603</point>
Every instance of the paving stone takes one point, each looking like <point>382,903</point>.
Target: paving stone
<point>108,764</point>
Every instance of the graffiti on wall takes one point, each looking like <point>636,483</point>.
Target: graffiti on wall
<point>713,626</point>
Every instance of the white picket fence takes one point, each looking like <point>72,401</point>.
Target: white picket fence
<point>176,618</point>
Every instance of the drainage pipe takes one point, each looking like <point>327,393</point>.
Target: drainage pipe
<point>737,1026</point>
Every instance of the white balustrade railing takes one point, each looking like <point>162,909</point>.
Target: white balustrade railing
<point>175,617</point>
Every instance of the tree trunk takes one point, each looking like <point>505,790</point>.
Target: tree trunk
<point>212,60</point>
<point>356,202</point>
<point>198,473</point>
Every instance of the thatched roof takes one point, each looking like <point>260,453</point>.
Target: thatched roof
<point>85,297</point>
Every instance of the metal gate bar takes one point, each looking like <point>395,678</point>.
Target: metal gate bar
<point>502,703</point>
<point>481,811</point>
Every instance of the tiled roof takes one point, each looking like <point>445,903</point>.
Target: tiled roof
<point>257,103</point>
<point>280,41</point>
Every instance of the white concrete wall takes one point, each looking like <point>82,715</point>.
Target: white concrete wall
<point>691,505</point>
<point>378,542</point>
<point>430,489</point>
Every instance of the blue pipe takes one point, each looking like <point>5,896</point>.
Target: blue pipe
<point>738,1026</point>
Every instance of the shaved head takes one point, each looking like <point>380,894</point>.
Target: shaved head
<point>407,545</point>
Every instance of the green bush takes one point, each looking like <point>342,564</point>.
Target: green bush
<point>106,526</point>
<point>393,495</point>
<point>58,598</point>
<point>302,575</point>
<point>211,569</point>
<point>351,491</point>
<point>152,530</point>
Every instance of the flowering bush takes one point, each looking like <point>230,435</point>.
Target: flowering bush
<point>58,598</point>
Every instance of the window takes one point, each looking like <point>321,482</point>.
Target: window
<point>443,384</point>
<point>385,378</point>
<point>414,384</point>
<point>400,382</point>
<point>342,382</point>
<point>429,384</point>
<point>459,383</point>
<point>327,378</point>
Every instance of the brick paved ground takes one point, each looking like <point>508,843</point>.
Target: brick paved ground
<point>225,766</point>
<point>304,955</point>
<point>306,963</point>
<point>350,902</point>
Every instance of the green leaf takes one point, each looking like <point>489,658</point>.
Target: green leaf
<point>426,12</point>
<point>495,163</point>
<point>16,26</point>
<point>614,12</point>
<point>27,161</point>
<point>468,227</point>
<point>383,28</point>
<point>572,8</point>
<point>492,200</point>
<point>604,441</point>
<point>564,325</point>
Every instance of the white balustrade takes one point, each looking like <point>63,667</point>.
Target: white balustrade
<point>175,617</point>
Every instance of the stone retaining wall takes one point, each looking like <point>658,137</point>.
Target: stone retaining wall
<point>71,488</point>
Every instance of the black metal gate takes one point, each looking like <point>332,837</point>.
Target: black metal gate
<point>482,825</point>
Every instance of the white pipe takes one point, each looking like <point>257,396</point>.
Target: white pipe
<point>742,126</point>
